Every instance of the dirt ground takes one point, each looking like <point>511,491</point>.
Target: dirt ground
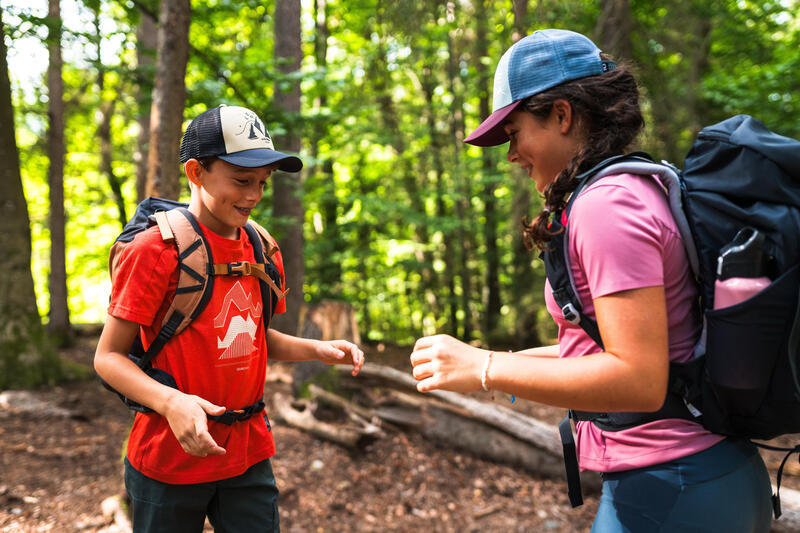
<point>56,468</point>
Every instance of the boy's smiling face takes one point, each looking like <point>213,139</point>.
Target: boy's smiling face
<point>223,195</point>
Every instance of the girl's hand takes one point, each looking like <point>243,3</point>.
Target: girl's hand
<point>340,352</point>
<point>442,362</point>
<point>186,415</point>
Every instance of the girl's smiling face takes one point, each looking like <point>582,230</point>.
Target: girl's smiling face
<point>542,147</point>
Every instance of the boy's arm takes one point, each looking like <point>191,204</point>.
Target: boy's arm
<point>283,347</point>
<point>185,413</point>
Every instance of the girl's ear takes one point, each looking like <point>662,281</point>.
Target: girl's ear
<point>563,113</point>
<point>193,169</point>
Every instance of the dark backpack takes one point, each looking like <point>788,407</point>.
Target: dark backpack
<point>195,283</point>
<point>744,381</point>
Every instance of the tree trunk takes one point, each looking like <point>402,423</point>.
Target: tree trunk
<point>25,357</point>
<point>58,326</point>
<point>146,44</point>
<point>525,327</point>
<point>287,189</point>
<point>520,19</point>
<point>169,97</point>
<point>465,237</point>
<point>698,68</point>
<point>104,130</point>
<point>614,28</point>
<point>492,279</point>
<point>380,74</point>
<point>330,273</point>
<point>436,151</point>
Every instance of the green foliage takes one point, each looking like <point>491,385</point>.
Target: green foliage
<point>394,201</point>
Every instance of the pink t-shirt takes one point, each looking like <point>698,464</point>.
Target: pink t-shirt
<point>622,236</point>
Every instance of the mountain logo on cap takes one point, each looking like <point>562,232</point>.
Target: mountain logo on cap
<point>256,127</point>
<point>243,130</point>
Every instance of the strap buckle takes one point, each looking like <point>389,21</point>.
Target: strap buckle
<point>238,415</point>
<point>240,268</point>
<point>571,314</point>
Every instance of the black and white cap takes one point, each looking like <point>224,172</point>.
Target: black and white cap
<point>235,135</point>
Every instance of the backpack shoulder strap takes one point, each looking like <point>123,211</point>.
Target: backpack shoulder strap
<point>270,246</point>
<point>670,179</point>
<point>264,249</point>
<point>557,258</point>
<point>195,284</point>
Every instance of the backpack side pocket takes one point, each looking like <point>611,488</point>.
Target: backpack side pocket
<point>748,342</point>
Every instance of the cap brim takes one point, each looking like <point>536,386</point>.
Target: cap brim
<point>491,132</point>
<point>260,157</point>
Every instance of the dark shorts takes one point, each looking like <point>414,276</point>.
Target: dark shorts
<point>725,488</point>
<point>242,504</point>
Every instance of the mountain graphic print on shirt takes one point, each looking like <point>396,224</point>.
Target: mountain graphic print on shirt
<point>238,320</point>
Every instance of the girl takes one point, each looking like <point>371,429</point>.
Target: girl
<point>564,107</point>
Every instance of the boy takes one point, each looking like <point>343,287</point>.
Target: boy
<point>180,466</point>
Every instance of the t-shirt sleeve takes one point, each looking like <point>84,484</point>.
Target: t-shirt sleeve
<point>278,259</point>
<point>141,281</point>
<point>616,240</point>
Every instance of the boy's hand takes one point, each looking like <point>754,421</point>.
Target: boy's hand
<point>341,352</point>
<point>186,415</point>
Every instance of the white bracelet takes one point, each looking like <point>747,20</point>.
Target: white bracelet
<point>485,373</point>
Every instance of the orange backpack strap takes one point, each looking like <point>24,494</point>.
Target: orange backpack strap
<point>269,243</point>
<point>195,284</point>
<point>268,249</point>
<point>243,268</point>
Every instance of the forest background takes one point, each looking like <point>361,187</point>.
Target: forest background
<point>392,213</point>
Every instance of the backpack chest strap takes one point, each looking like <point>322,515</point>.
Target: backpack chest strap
<point>245,268</point>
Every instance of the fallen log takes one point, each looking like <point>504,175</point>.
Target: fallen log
<point>355,412</point>
<point>424,413</point>
<point>299,413</point>
<point>452,426</point>
<point>526,428</point>
<point>487,430</point>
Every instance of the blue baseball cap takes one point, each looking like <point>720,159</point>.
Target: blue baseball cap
<point>533,64</point>
<point>236,135</point>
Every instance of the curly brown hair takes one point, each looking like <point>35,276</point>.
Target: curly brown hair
<point>606,108</point>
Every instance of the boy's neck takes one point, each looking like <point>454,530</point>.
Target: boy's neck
<point>210,222</point>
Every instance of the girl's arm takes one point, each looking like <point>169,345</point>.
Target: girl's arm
<point>631,375</point>
<point>283,347</point>
<point>186,414</point>
<point>541,351</point>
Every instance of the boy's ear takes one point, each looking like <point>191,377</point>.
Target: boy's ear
<point>193,168</point>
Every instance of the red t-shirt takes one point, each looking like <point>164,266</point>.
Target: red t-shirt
<point>221,356</point>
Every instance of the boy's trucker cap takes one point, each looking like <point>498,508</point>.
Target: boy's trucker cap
<point>236,135</point>
<point>533,64</point>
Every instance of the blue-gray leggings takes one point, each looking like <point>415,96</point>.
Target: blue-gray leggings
<point>725,488</point>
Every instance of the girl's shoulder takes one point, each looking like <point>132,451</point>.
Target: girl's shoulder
<point>644,195</point>
<point>639,186</point>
